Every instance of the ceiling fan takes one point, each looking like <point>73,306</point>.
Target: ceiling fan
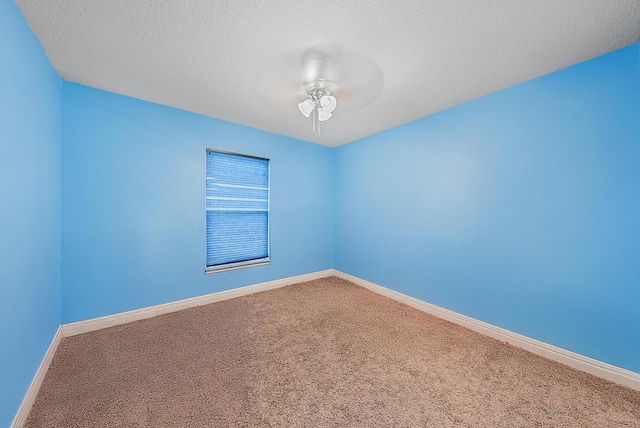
<point>317,80</point>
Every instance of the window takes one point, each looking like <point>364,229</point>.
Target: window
<point>237,207</point>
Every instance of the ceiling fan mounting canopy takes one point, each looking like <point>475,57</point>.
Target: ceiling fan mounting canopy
<point>318,86</point>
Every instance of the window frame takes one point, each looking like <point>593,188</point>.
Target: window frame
<point>262,261</point>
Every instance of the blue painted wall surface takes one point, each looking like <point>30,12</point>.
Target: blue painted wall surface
<point>521,209</point>
<point>29,207</point>
<point>133,218</point>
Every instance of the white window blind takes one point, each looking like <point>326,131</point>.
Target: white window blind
<point>237,205</point>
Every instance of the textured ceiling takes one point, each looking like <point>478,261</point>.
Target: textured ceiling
<point>217,58</point>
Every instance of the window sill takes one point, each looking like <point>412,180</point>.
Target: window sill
<point>239,265</point>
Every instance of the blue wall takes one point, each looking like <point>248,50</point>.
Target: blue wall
<point>521,209</point>
<point>29,207</point>
<point>133,219</point>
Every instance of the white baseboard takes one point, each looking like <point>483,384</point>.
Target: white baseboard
<point>32,392</point>
<point>85,326</point>
<point>571,359</point>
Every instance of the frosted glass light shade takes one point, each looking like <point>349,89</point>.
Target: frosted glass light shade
<point>306,107</point>
<point>328,103</point>
<point>323,115</point>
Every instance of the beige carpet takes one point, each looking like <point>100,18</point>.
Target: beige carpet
<point>325,353</point>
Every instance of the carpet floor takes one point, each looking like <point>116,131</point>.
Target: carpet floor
<point>324,353</point>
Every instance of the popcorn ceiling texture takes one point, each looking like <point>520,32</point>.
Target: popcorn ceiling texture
<point>324,353</point>
<point>204,56</point>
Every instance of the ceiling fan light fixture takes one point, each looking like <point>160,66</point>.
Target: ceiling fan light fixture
<point>306,107</point>
<point>320,100</point>
<point>328,103</point>
<point>323,115</point>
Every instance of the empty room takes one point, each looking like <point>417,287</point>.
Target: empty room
<point>310,214</point>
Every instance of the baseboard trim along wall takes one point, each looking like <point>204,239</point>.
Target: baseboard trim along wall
<point>571,359</point>
<point>38,378</point>
<point>85,326</point>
